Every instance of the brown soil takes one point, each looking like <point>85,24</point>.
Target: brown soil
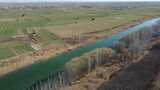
<point>104,73</point>
<point>139,75</point>
<point>156,82</point>
<point>94,79</point>
<point>155,85</point>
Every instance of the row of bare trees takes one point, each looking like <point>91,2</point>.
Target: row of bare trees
<point>137,40</point>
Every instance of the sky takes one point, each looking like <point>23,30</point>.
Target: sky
<point>68,0</point>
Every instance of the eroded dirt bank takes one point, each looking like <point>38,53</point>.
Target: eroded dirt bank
<point>137,76</point>
<point>126,71</point>
<point>95,78</point>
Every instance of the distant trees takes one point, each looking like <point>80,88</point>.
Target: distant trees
<point>75,38</point>
<point>136,41</point>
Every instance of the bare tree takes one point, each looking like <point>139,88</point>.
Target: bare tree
<point>138,39</point>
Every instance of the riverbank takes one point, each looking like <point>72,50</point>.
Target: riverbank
<point>142,69</point>
<point>137,76</point>
<point>24,60</point>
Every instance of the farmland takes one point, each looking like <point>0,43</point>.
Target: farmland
<point>52,24</point>
<point>12,23</point>
<point>37,42</point>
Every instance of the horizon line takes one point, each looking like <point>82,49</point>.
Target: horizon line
<point>71,1</point>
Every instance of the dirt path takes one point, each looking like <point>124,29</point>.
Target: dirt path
<point>137,76</point>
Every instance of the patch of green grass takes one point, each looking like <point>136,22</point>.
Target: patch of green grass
<point>46,37</point>
<point>22,48</point>
<point>12,48</point>
<point>5,53</point>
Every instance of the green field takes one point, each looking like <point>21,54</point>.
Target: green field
<point>44,18</point>
<point>13,21</point>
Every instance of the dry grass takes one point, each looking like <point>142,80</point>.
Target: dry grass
<point>77,67</point>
